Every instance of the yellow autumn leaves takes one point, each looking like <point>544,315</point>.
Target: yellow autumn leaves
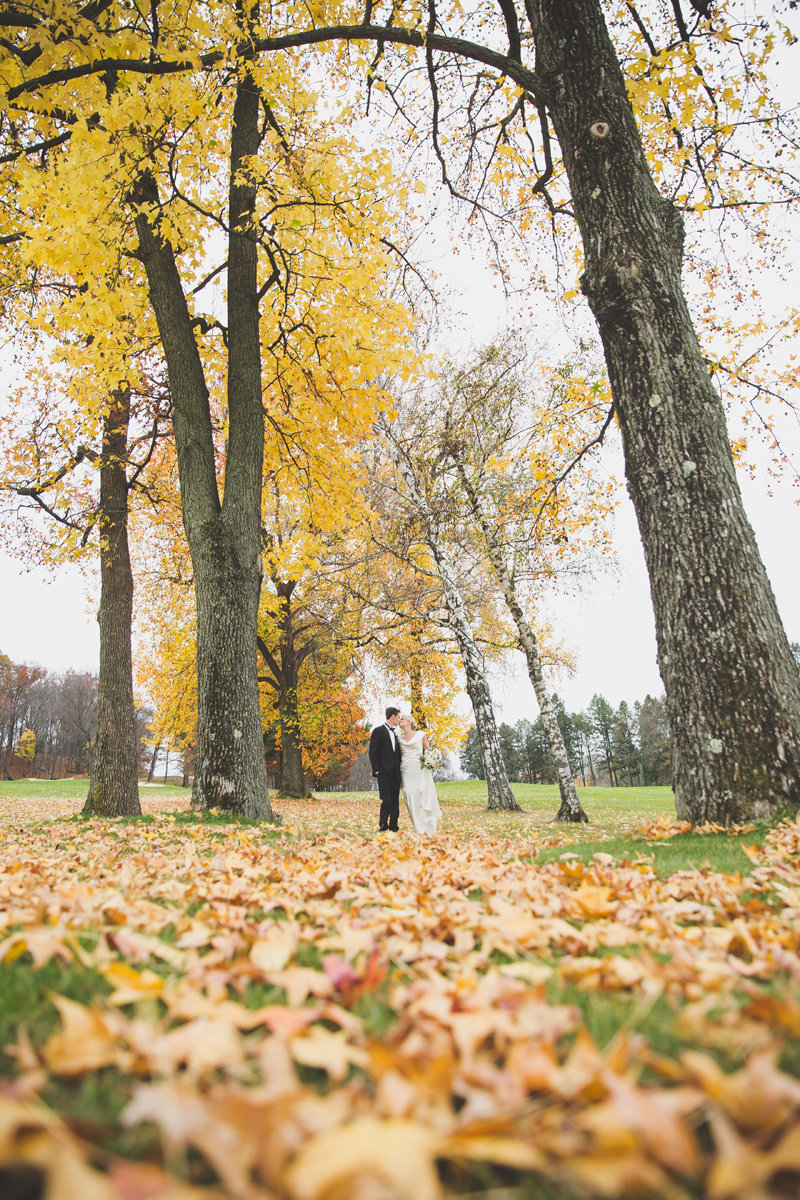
<point>243,967</point>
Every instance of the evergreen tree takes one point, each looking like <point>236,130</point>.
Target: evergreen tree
<point>626,752</point>
<point>602,716</point>
<point>655,742</point>
<point>471,758</point>
<point>508,736</point>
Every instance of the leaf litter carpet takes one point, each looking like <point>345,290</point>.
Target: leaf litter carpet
<point>319,1013</point>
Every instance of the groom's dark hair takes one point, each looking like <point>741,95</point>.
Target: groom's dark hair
<point>390,712</point>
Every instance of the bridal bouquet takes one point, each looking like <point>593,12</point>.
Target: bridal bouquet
<point>431,759</point>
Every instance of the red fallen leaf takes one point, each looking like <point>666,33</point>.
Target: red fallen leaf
<point>338,970</point>
<point>374,975</point>
<point>352,983</point>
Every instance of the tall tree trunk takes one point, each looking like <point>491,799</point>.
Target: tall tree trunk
<point>500,795</point>
<point>733,688</point>
<point>293,779</point>
<point>114,771</point>
<point>224,538</point>
<point>571,808</point>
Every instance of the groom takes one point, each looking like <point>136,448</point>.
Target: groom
<point>384,758</point>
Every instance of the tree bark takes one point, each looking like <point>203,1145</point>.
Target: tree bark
<point>224,538</point>
<point>733,688</point>
<point>571,808</point>
<point>500,795</point>
<point>286,674</point>
<point>114,773</point>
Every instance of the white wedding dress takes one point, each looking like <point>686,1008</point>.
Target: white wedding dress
<point>418,786</point>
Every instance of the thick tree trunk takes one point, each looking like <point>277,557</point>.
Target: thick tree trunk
<point>224,539</point>
<point>571,808</point>
<point>733,689</point>
<point>500,795</point>
<point>114,776</point>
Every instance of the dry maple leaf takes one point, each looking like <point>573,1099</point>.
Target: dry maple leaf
<point>393,1159</point>
<point>85,1042</point>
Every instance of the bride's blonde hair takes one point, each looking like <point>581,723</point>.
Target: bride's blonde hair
<point>413,724</point>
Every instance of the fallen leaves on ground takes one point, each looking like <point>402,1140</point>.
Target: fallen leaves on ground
<point>331,1016</point>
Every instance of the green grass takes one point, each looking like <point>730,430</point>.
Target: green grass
<point>603,805</point>
<point>75,788</point>
<point>534,797</point>
<point>683,852</point>
<point>611,811</point>
<point>25,998</point>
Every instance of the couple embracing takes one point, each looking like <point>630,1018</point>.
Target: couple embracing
<point>395,755</point>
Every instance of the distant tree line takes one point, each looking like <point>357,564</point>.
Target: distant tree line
<point>629,746</point>
<point>48,721</point>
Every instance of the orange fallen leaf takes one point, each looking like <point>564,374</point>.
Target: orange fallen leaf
<point>85,1041</point>
<point>397,1156</point>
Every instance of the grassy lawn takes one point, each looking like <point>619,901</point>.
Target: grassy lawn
<point>74,789</point>
<point>463,803</point>
<point>513,1008</point>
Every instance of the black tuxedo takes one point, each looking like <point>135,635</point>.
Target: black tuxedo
<point>385,762</point>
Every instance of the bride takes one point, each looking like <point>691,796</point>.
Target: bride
<point>418,787</point>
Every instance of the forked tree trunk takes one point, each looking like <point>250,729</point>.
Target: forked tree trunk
<point>500,795</point>
<point>733,689</point>
<point>114,774</point>
<point>224,538</point>
<point>571,808</point>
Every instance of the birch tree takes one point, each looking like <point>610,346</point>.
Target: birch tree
<point>500,795</point>
<point>505,444</point>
